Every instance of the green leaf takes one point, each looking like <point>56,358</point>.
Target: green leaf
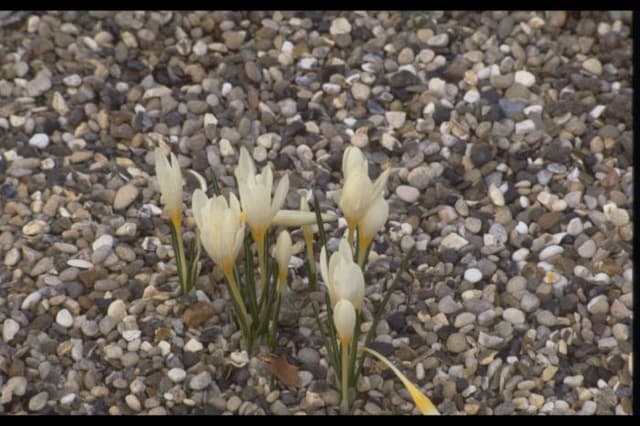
<point>321,234</point>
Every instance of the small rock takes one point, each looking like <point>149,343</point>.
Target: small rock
<point>9,329</point>
<point>457,343</point>
<point>598,305</point>
<point>514,316</point>
<point>525,78</point>
<point>38,401</point>
<point>496,195</point>
<point>473,275</point>
<point>453,241</point>
<point>438,40</point>
<point>396,118</point>
<point>64,318</point>
<point>587,249</point>
<point>125,196</point>
<point>592,65</point>
<point>39,140</point>
<point>200,381</point>
<point>117,310</point>
<point>340,26</point>
<point>193,346</point>
<point>407,193</point>
<point>177,375</point>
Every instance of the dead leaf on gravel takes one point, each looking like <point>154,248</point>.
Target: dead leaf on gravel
<point>280,367</point>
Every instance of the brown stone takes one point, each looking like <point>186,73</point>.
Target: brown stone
<point>549,220</point>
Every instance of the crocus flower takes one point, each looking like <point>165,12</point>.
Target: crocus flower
<point>358,192</point>
<point>221,230</point>
<point>342,276</point>
<point>255,195</point>
<point>170,182</point>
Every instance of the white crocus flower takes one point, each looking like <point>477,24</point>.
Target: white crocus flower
<point>255,195</point>
<point>221,230</point>
<point>342,276</point>
<point>358,192</point>
<point>372,222</point>
<point>170,182</point>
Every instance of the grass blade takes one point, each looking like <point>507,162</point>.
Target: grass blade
<point>319,221</point>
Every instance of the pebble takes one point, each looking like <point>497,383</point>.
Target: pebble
<point>395,118</point>
<point>64,318</point>
<point>9,329</point>
<point>39,140</point>
<point>592,65</point>
<point>407,193</point>
<point>340,26</point>
<point>472,275</point>
<point>525,78</point>
<point>598,305</point>
<point>117,310</point>
<point>587,249</point>
<point>38,401</point>
<point>177,375</point>
<point>200,381</point>
<point>453,241</point>
<point>439,40</point>
<point>549,252</point>
<point>125,195</point>
<point>496,195</point>
<point>514,316</point>
<point>457,343</point>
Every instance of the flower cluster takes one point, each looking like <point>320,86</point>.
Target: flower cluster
<point>221,224</point>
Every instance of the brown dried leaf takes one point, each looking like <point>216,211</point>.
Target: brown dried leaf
<point>285,372</point>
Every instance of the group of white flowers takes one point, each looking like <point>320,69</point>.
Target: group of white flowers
<point>221,230</point>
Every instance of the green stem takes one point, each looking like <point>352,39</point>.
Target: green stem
<point>181,261</point>
<point>344,406</point>
<point>363,250</point>
<point>311,261</point>
<point>262,263</point>
<point>235,293</point>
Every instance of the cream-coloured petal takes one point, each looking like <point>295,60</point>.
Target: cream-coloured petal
<point>283,250</point>
<point>245,168</point>
<point>324,271</point>
<point>375,218</point>
<point>354,160</point>
<point>349,283</point>
<point>344,250</point>
<point>198,202</point>
<point>280,195</point>
<point>379,185</point>
<point>356,196</point>
<point>344,319</point>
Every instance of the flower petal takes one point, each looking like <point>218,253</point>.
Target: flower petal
<point>280,195</point>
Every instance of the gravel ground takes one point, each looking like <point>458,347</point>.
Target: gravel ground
<point>509,136</point>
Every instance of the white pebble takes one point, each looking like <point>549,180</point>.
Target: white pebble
<point>550,251</point>
<point>64,318</point>
<point>39,140</point>
<point>9,329</point>
<point>473,275</point>
<point>525,78</point>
